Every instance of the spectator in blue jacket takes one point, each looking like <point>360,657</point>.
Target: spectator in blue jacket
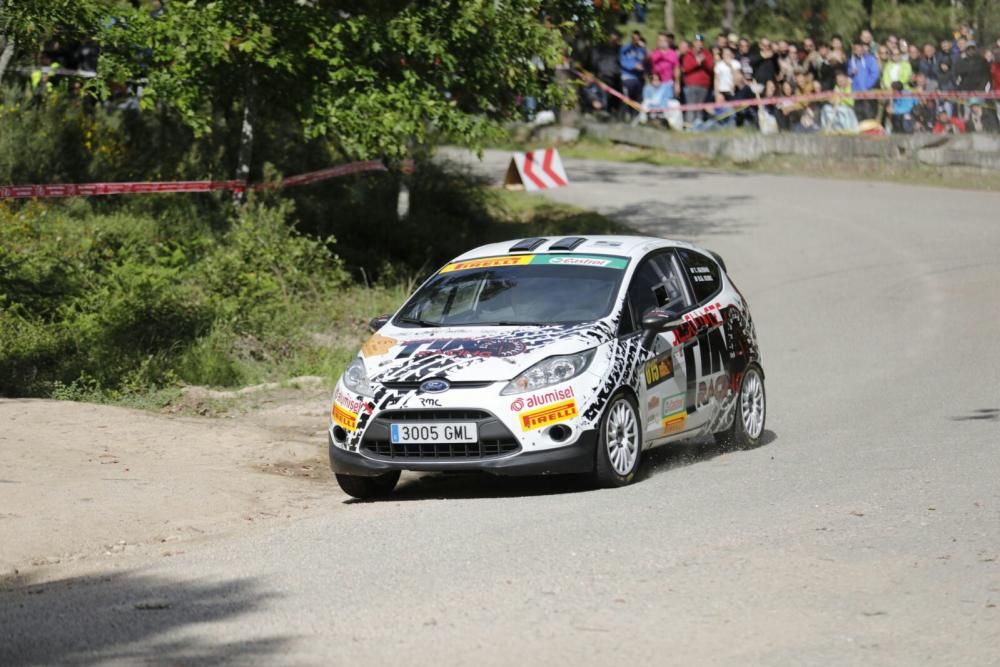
<point>864,72</point>
<point>901,110</point>
<point>632,60</point>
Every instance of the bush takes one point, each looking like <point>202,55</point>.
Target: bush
<point>101,297</point>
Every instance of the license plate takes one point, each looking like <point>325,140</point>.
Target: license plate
<point>438,432</point>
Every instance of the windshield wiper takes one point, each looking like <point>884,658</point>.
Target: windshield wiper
<point>506,323</point>
<point>419,322</point>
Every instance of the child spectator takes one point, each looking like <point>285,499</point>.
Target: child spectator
<point>655,96</point>
<point>980,120</point>
<point>592,96</point>
<point>901,110</point>
<point>948,124</point>
<point>838,116</point>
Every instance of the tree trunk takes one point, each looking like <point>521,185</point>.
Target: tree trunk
<point>728,15</point>
<point>7,44</point>
<point>668,15</point>
<point>245,153</point>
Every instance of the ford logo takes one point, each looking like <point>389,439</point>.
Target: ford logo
<point>435,386</point>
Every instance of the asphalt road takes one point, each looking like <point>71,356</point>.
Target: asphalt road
<point>865,531</point>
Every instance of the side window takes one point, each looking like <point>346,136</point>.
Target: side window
<point>655,284</point>
<point>703,274</point>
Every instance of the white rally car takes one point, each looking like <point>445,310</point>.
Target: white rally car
<point>539,356</point>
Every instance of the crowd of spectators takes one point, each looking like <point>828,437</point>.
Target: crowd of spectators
<point>640,84</point>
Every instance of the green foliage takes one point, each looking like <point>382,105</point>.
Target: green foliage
<point>32,21</point>
<point>376,78</point>
<point>917,20</point>
<point>106,301</point>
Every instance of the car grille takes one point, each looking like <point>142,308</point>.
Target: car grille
<point>483,449</point>
<point>495,439</point>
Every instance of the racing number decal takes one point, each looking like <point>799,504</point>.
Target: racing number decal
<point>713,353</point>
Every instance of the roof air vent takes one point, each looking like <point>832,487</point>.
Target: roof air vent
<point>527,245</point>
<point>568,243</point>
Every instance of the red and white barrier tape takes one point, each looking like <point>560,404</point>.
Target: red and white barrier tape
<point>95,189</point>
<point>828,95</point>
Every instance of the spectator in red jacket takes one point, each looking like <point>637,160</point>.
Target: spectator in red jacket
<point>947,124</point>
<point>995,69</point>
<point>697,66</point>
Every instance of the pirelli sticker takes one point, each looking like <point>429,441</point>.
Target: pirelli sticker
<point>550,414</point>
<point>674,423</point>
<point>344,417</point>
<point>488,263</point>
<point>599,261</point>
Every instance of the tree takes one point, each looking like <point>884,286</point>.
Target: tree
<point>25,23</point>
<point>375,77</point>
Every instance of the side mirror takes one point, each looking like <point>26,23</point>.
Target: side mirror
<point>657,321</point>
<point>377,323</point>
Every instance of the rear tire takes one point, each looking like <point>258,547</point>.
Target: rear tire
<point>365,488</point>
<point>619,442</point>
<point>749,413</point>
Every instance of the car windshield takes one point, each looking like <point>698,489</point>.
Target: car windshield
<point>517,290</point>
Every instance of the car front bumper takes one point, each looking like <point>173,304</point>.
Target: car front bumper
<point>578,457</point>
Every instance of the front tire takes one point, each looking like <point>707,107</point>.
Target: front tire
<point>750,412</point>
<point>365,488</point>
<point>619,444</point>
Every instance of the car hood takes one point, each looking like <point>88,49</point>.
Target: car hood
<point>472,354</point>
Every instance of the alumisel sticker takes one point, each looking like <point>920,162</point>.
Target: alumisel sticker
<point>601,261</point>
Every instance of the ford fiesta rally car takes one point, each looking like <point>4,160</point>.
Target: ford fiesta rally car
<point>542,356</point>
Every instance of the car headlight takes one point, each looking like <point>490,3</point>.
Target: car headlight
<point>356,379</point>
<point>549,372</point>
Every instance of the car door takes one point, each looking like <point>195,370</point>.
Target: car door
<point>658,283</point>
<point>702,341</point>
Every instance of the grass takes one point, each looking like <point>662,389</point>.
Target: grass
<point>519,214</point>
<point>871,169</point>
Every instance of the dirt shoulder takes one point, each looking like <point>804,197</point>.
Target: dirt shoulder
<point>83,483</point>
